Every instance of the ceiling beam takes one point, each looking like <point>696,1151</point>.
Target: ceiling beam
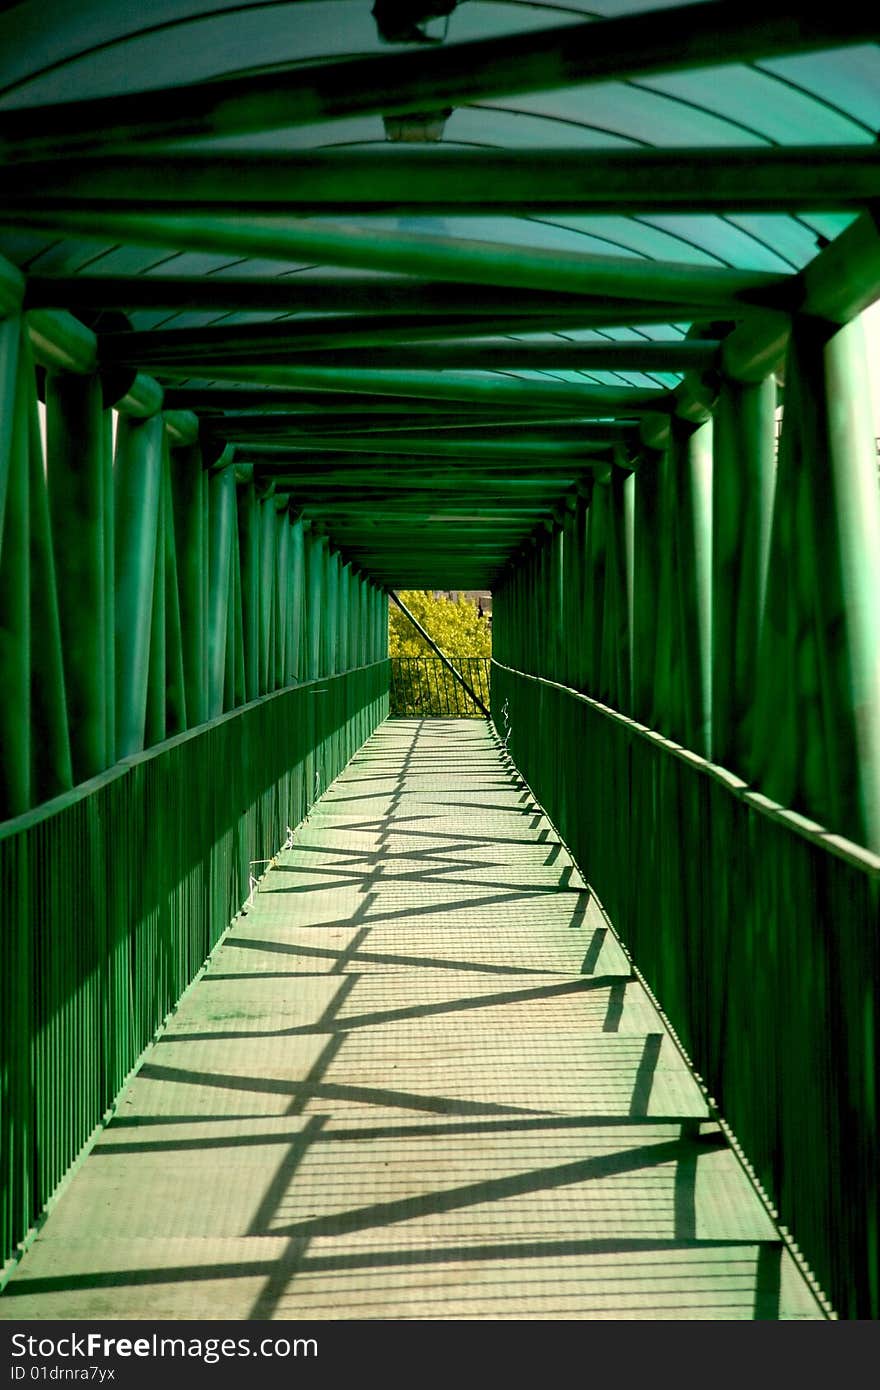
<point>282,429</point>
<point>485,425</point>
<point>471,452</point>
<point>690,36</point>
<point>329,406</point>
<point>437,181</point>
<point>672,356</point>
<point>326,294</point>
<point>495,390</point>
<point>319,338</point>
<point>430,257</point>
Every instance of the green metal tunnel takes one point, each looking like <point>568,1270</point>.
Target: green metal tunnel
<point>301,304</point>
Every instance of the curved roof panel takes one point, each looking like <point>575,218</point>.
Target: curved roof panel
<point>612,191</point>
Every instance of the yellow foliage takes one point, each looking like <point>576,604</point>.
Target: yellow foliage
<point>455,626</point>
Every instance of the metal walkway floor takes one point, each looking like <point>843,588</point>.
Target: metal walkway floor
<point>417,1081</point>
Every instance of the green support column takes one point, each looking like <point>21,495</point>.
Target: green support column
<point>615,649</point>
<point>648,540</point>
<point>667,703</point>
<point>189,486</point>
<point>354,622</point>
<point>556,597</point>
<point>267,514</point>
<point>176,713</point>
<point>818,716</point>
<point>251,589</point>
<point>52,769</point>
<point>283,596</point>
<point>628,498</point>
<point>331,615</point>
<point>138,487</point>
<point>743,484</point>
<point>374,621</point>
<point>76,474</point>
<point>693,454</point>
<point>594,586</point>
<point>803,740</point>
<point>235,691</point>
<point>571,588</point>
<point>108,443</point>
<point>296,633</point>
<point>156,721</point>
<point>222,523</point>
<point>315,566</point>
<point>365,620</point>
<point>852,459</point>
<point>345,662</point>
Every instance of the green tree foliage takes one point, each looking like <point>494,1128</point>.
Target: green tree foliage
<point>420,685</point>
<point>455,626</point>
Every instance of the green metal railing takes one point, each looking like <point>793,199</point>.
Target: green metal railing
<point>758,932</point>
<point>423,688</point>
<point>115,893</point>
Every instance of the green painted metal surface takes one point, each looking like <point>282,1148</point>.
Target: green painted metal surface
<point>82,998</point>
<point>536,345</point>
<point>418,1079</point>
<point>726,902</point>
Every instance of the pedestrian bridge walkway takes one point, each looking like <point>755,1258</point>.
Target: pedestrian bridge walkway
<point>418,1079</point>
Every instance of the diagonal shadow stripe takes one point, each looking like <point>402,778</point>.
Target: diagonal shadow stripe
<point>377,1259</point>
<point>413,1011</point>
<point>400,1129</point>
<point>380,958</point>
<point>367,1095</point>
<point>495,1189</point>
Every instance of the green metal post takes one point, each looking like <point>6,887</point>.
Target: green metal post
<point>222,523</point>
<point>295,665</point>
<point>615,650</point>
<point>744,483</point>
<point>189,484</point>
<point>15,631</point>
<point>597,561</point>
<point>156,726</point>
<point>266,515</point>
<point>249,547</point>
<point>647,543</point>
<point>176,719</point>
<point>283,596</point>
<point>355,623</point>
<point>693,453</point>
<point>344,659</point>
<point>75,469</point>
<point>853,473</point>
<point>108,442</point>
<point>556,559</point>
<point>235,691</point>
<point>667,704</point>
<point>138,479</point>
<point>52,767</point>
<point>316,566</point>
